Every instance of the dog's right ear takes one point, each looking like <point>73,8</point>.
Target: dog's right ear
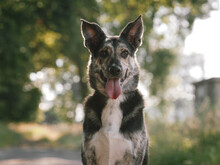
<point>92,34</point>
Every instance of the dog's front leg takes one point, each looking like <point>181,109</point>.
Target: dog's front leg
<point>89,157</point>
<point>141,148</point>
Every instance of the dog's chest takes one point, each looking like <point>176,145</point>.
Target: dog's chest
<point>111,117</point>
<point>110,145</point>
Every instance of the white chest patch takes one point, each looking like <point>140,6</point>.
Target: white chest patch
<point>110,145</point>
<point>112,116</point>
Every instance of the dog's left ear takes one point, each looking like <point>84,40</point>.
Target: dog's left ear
<point>133,32</point>
<point>92,34</point>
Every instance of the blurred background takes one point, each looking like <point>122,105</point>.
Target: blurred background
<point>43,78</point>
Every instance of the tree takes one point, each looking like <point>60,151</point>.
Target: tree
<point>17,101</point>
<point>33,35</point>
<point>167,23</point>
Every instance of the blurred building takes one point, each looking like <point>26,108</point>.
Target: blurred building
<point>207,92</point>
<point>207,104</point>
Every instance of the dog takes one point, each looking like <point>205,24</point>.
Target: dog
<point>114,131</point>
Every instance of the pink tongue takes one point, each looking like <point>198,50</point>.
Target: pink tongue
<point>113,88</point>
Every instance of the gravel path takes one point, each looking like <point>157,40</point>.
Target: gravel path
<point>39,156</point>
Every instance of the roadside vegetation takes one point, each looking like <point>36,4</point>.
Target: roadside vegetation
<point>179,144</point>
<point>171,144</point>
<point>61,135</point>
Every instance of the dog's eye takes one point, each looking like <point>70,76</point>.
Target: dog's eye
<point>124,53</point>
<point>104,53</point>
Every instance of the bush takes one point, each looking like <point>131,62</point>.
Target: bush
<point>168,146</point>
<point>9,137</point>
<point>18,105</point>
<point>174,144</point>
<point>207,150</point>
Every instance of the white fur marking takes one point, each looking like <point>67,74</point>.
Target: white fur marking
<point>110,145</point>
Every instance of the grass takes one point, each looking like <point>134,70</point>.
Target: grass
<point>9,137</point>
<point>174,144</point>
<point>32,134</point>
<point>207,151</point>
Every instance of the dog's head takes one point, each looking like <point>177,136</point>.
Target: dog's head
<point>112,67</point>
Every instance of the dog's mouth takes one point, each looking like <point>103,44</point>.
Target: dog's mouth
<point>113,88</point>
<point>113,85</point>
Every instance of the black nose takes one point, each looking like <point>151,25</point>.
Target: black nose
<point>115,70</point>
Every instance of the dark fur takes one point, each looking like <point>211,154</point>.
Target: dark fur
<point>105,53</point>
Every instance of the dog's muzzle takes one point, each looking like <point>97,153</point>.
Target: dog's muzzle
<point>113,80</point>
<point>112,86</point>
<point>115,70</point>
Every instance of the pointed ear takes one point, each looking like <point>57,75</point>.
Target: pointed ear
<point>92,34</point>
<point>133,32</point>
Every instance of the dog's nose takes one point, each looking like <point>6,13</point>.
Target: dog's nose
<point>115,70</point>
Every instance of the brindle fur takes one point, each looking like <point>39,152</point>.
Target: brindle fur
<point>106,52</point>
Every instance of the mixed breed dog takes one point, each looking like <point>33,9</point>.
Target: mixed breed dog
<point>114,131</point>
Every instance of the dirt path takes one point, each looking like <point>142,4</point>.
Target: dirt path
<point>39,156</point>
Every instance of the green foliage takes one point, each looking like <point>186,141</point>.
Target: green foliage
<point>32,134</point>
<point>17,105</point>
<point>167,144</point>
<point>160,49</point>
<point>207,150</point>
<point>160,66</point>
<point>8,137</point>
<point>35,33</point>
<point>70,141</point>
<point>174,144</point>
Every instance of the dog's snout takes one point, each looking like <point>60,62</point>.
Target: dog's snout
<point>115,70</point>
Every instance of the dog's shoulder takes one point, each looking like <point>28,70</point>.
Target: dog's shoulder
<point>133,101</point>
<point>93,107</point>
<point>96,102</point>
<point>133,116</point>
